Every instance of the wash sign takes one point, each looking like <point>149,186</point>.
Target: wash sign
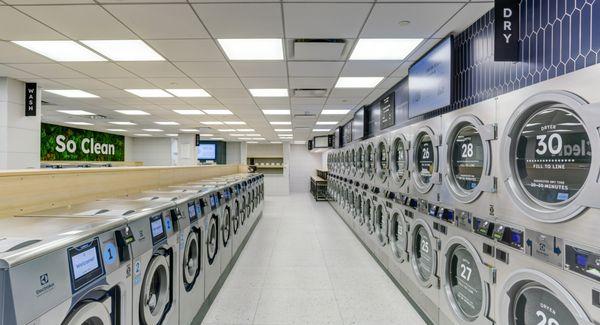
<point>59,143</point>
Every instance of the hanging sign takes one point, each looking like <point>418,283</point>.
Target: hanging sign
<point>30,99</point>
<point>506,30</point>
<point>387,110</point>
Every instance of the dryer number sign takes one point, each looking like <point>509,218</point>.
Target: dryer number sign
<point>467,158</point>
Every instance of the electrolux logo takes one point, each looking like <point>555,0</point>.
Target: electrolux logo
<point>44,279</point>
<point>45,285</point>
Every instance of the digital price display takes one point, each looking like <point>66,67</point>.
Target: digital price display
<point>467,158</point>
<point>535,304</point>
<point>192,211</point>
<point>423,254</point>
<point>553,155</point>
<point>85,264</point>
<point>465,283</point>
<point>425,158</point>
<point>157,229</point>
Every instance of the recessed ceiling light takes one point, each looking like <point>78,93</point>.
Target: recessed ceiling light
<point>252,142</point>
<point>72,93</point>
<point>384,48</point>
<point>166,123</point>
<point>62,51</point>
<point>276,111</point>
<point>299,142</point>
<point>218,112</point>
<point>253,135</point>
<point>149,93</point>
<point>280,123</point>
<point>321,130</point>
<point>245,130</point>
<point>189,130</point>
<point>258,138</point>
<point>335,111</point>
<point>199,92</point>
<point>116,130</point>
<point>269,92</point>
<point>275,142</point>
<point>226,130</point>
<point>327,123</point>
<point>75,112</point>
<point>283,130</point>
<point>142,135</point>
<point>216,138</point>
<point>79,123</point>
<point>131,112</point>
<point>244,138</point>
<point>237,134</point>
<point>212,123</point>
<point>284,135</point>
<point>253,48</point>
<point>152,130</point>
<point>358,82</point>
<point>235,123</point>
<point>188,111</point>
<point>122,123</point>
<point>124,50</point>
<point>172,134</point>
<point>206,134</point>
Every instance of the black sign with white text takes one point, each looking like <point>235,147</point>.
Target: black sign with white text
<point>506,30</point>
<point>30,99</point>
<point>387,108</point>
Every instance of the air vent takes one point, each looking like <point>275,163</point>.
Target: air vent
<point>310,92</point>
<point>318,49</point>
<point>304,120</point>
<point>97,117</point>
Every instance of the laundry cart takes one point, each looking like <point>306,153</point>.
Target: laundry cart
<point>318,188</point>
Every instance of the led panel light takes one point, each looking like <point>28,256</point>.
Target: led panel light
<point>149,93</point>
<point>284,135</point>
<point>276,111</point>
<point>327,123</point>
<point>245,130</point>
<point>384,48</point>
<point>244,138</point>
<point>199,92</point>
<point>124,50</point>
<point>71,93</point>
<point>335,111</point>
<point>218,112</point>
<point>76,112</point>
<point>358,82</point>
<point>172,135</point>
<point>189,130</point>
<point>321,130</point>
<point>283,130</point>
<point>122,123</point>
<point>206,134</point>
<point>252,142</point>
<point>166,123</point>
<point>252,48</point>
<point>216,138</point>
<point>116,130</point>
<point>269,92</point>
<point>280,123</point>
<point>235,123</point>
<point>212,123</point>
<point>142,135</point>
<point>299,142</point>
<point>258,138</point>
<point>226,130</point>
<point>79,123</point>
<point>188,111</point>
<point>152,130</point>
<point>275,142</point>
<point>131,112</point>
<point>62,51</point>
<point>253,135</point>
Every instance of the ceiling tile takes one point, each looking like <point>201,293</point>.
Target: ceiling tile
<point>312,82</point>
<point>255,20</point>
<point>369,68</point>
<point>11,53</point>
<point>160,21</point>
<point>100,69</point>
<point>260,69</point>
<point>388,83</point>
<point>81,22</point>
<point>350,92</point>
<point>152,69</point>
<point>206,69</point>
<point>425,19</point>
<point>128,83</point>
<point>314,69</point>
<point>49,70</point>
<point>464,18</point>
<point>215,83</point>
<point>324,20</point>
<point>85,83</point>
<point>230,93</point>
<point>173,83</point>
<point>42,2</point>
<point>188,50</point>
<point>15,26</point>
<point>265,82</point>
<point>402,71</point>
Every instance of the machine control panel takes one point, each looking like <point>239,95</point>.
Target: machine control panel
<point>509,236</point>
<point>446,214</point>
<point>483,227</point>
<point>85,264</point>
<point>546,248</point>
<point>583,262</point>
<point>463,220</point>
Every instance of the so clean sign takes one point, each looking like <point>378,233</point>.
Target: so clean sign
<point>60,143</point>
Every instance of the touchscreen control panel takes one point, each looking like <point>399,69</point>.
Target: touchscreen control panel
<point>85,264</point>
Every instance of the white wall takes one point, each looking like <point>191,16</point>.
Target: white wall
<point>152,151</point>
<point>187,153</point>
<point>234,153</point>
<point>302,164</point>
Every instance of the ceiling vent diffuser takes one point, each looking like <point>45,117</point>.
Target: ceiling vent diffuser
<point>318,49</point>
<point>310,92</point>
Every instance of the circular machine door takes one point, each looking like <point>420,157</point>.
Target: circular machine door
<point>532,297</point>
<point>360,161</point>
<point>226,226</point>
<point>243,210</point>
<point>359,210</point>
<point>352,162</point>
<point>399,160</point>
<point>191,259</point>
<point>368,210</point>
<point>382,166</point>
<point>381,224</point>
<point>425,157</point>
<point>350,200</point>
<point>370,161</point>
<point>466,285</point>
<point>235,219</point>
<point>398,235</point>
<point>212,242</point>
<point>347,162</point>
<point>469,158</point>
<point>424,256</point>
<point>90,313</point>
<point>156,286</point>
<point>547,154</point>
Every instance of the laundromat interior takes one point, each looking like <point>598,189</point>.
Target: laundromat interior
<point>275,162</point>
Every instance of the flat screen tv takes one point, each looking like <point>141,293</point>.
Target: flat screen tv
<point>430,80</point>
<point>321,141</point>
<point>207,151</point>
<point>358,124</point>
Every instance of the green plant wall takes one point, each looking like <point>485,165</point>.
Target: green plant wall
<point>60,143</point>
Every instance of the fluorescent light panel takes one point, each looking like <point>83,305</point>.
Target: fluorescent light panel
<point>122,123</point>
<point>235,123</point>
<point>269,92</point>
<point>172,134</point>
<point>79,123</point>
<point>321,130</point>
<point>327,123</point>
<point>189,92</point>
<point>166,123</point>
<point>188,111</point>
<point>218,112</point>
<point>131,112</point>
<point>76,112</point>
<point>280,123</point>
<point>206,134</point>
<point>152,130</point>
<point>124,50</point>
<point>149,93</point>
<point>62,51</point>
<point>358,82</point>
<point>245,130</point>
<point>276,111</point>
<point>71,93</point>
<point>116,130</point>
<point>142,135</point>
<point>226,130</point>
<point>189,130</point>
<point>384,48</point>
<point>253,48</point>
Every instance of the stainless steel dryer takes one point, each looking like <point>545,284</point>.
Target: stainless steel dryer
<point>399,162</point>
<point>352,161</point>
<point>381,219</point>
<point>382,163</point>
<point>359,162</point>
<point>369,163</point>
<point>426,162</point>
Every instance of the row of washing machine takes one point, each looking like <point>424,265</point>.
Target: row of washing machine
<point>149,258</point>
<point>484,215</point>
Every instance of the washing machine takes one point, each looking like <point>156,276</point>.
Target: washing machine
<point>426,164</point>
<point>382,163</point>
<point>226,199</point>
<point>213,241</point>
<point>65,271</point>
<point>399,162</point>
<point>368,226</point>
<point>237,211</point>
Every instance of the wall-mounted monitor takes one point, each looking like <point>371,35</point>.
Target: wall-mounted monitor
<point>321,141</point>
<point>358,124</point>
<point>430,80</point>
<point>207,151</point>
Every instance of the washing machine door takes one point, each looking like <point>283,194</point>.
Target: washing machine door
<point>155,300</point>
<point>235,218</point>
<point>212,242</point>
<point>243,210</point>
<point>226,226</point>
<point>90,313</point>
<point>191,259</point>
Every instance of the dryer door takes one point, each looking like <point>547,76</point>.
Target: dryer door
<point>235,218</point>
<point>191,259</point>
<point>243,210</point>
<point>398,235</point>
<point>90,313</point>
<point>381,221</point>
<point>226,226</point>
<point>155,299</point>
<point>212,243</point>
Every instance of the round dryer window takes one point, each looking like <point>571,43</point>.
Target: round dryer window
<point>235,219</point>
<point>381,224</point>
<point>465,283</point>
<point>535,304</point>
<point>398,235</point>
<point>370,160</point>
<point>399,163</point>
<point>425,157</point>
<point>360,161</point>
<point>423,254</point>
<point>467,158</point>
<point>155,294</point>
<point>191,259</point>
<point>381,159</point>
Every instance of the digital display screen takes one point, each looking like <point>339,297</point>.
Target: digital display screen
<point>207,151</point>
<point>321,142</point>
<point>213,201</point>
<point>430,80</point>
<point>358,124</point>
<point>193,213</point>
<point>157,228</point>
<point>84,262</point>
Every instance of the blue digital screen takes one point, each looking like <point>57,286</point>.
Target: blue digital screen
<point>430,80</point>
<point>207,151</point>
<point>581,260</point>
<point>516,238</point>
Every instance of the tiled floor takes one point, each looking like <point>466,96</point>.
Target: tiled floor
<point>302,265</point>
